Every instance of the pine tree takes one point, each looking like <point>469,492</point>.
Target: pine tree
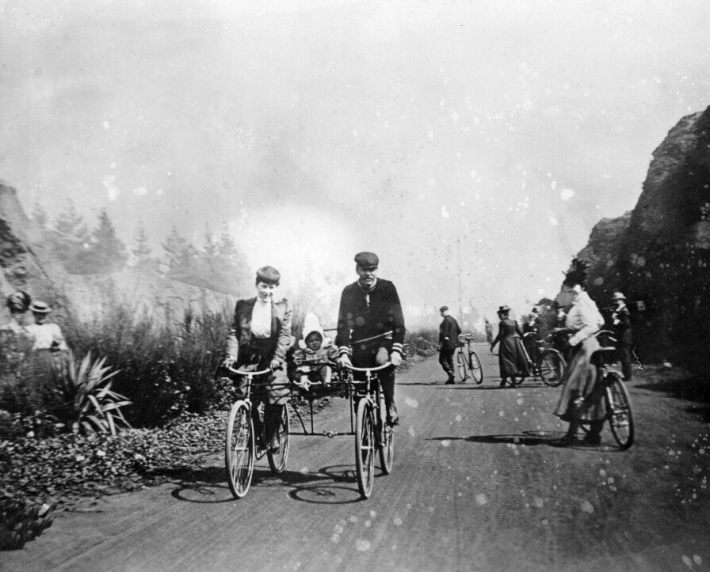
<point>174,247</point>
<point>106,251</point>
<point>70,223</point>
<point>141,251</point>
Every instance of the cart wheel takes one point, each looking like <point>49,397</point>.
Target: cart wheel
<point>552,367</point>
<point>386,440</point>
<point>476,368</point>
<point>461,365</point>
<point>239,449</point>
<point>365,447</point>
<point>619,405</point>
<point>277,461</point>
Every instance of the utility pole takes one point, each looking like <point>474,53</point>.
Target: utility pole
<point>458,259</point>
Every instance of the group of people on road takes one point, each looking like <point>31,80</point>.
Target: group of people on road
<point>581,399</point>
<point>370,332</point>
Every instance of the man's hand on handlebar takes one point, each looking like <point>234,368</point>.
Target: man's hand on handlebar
<point>275,364</point>
<point>229,362</point>
<point>396,358</point>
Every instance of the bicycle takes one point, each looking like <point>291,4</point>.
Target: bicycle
<point>468,361</point>
<point>546,361</point>
<point>616,398</point>
<point>243,447</point>
<point>372,432</point>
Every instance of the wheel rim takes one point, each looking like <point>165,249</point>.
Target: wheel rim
<point>620,418</point>
<point>239,450</point>
<point>365,449</point>
<point>277,461</point>
<point>387,449</point>
<point>476,368</point>
<point>551,368</point>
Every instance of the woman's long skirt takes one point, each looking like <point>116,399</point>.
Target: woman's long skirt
<point>512,358</point>
<point>582,398</point>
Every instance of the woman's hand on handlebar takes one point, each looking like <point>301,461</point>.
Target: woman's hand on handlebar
<point>344,361</point>
<point>229,362</point>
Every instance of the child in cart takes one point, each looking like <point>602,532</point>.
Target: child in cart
<point>313,360</point>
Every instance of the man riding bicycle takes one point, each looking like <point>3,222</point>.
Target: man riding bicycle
<point>371,326</point>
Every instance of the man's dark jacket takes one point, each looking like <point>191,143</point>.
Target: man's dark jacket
<point>449,331</point>
<point>365,314</point>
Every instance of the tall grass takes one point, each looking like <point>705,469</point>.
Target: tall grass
<point>164,370</point>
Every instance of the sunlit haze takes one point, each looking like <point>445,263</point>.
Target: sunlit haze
<point>472,145</point>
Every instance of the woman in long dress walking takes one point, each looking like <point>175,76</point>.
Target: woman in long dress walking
<point>512,359</point>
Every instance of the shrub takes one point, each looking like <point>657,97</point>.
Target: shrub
<point>164,371</point>
<point>86,402</point>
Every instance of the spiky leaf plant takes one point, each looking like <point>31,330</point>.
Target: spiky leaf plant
<point>88,403</point>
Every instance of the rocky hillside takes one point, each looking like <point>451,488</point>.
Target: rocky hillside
<point>26,263</point>
<point>658,255</point>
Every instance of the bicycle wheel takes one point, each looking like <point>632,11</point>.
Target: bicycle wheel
<point>277,461</point>
<point>619,405</point>
<point>552,367</point>
<point>239,449</point>
<point>461,365</point>
<point>365,447</point>
<point>386,447</point>
<point>476,367</point>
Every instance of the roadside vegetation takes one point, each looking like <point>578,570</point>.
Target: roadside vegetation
<point>131,404</point>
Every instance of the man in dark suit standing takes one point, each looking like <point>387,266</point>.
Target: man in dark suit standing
<point>449,332</point>
<point>621,323</point>
<point>371,326</point>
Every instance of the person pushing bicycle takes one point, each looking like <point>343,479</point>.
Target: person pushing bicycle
<point>371,326</point>
<point>449,331</point>
<point>259,337</point>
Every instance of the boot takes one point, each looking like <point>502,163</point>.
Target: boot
<point>450,379</point>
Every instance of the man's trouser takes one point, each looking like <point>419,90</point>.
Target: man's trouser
<point>446,359</point>
<point>373,354</point>
<point>624,353</point>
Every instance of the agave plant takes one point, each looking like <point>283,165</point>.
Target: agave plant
<point>88,401</point>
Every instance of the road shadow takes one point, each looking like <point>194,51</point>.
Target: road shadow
<point>531,439</point>
<point>334,484</point>
<point>528,438</point>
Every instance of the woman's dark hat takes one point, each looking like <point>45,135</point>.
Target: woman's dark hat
<point>443,309</point>
<point>367,260</point>
<point>503,309</point>
<point>40,307</point>
<point>268,275</point>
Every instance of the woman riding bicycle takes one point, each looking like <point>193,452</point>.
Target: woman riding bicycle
<point>260,336</point>
<point>582,399</point>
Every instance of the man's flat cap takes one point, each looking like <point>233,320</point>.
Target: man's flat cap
<point>367,260</point>
<point>443,309</point>
<point>268,275</point>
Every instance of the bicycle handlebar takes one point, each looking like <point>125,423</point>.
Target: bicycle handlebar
<point>369,369</point>
<point>251,373</point>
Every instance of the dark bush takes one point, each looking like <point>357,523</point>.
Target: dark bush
<point>164,371</point>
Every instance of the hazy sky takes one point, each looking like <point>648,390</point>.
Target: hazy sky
<point>488,136</point>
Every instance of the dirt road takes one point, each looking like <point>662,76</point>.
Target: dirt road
<point>478,484</point>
